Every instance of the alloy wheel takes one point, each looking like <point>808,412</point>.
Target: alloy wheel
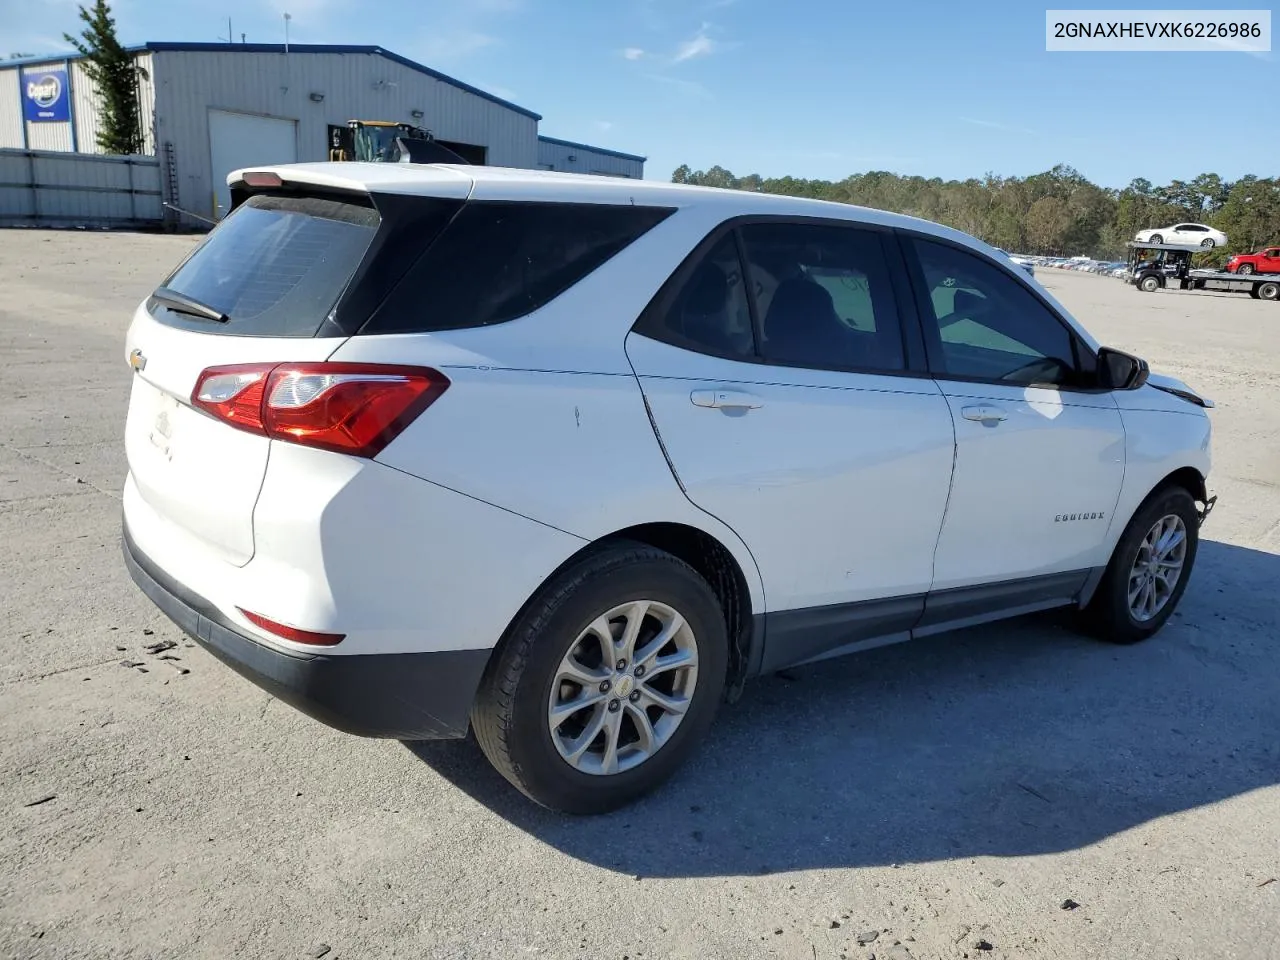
<point>1157,568</point>
<point>623,688</point>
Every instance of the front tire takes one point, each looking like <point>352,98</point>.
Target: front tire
<point>1208,243</point>
<point>1245,269</point>
<point>606,681</point>
<point>1149,285</point>
<point>1149,569</point>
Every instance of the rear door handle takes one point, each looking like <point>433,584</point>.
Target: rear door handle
<point>984,413</point>
<point>725,399</point>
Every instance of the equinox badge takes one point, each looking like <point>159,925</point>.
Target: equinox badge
<point>137,360</point>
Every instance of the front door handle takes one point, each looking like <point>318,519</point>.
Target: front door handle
<point>725,399</point>
<point>984,413</point>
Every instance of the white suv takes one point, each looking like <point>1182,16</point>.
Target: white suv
<point>565,459</point>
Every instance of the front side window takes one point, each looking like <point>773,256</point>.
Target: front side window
<point>823,297</point>
<point>990,326</point>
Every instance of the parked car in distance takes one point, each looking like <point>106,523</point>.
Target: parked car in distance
<point>1023,262</point>
<point>1194,234</point>
<point>1264,261</point>
<point>563,459</point>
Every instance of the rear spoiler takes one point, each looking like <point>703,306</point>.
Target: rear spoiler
<point>266,181</point>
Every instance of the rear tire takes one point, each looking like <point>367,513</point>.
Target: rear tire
<point>1124,610</point>
<point>1156,238</point>
<point>1269,290</point>
<point>523,717</point>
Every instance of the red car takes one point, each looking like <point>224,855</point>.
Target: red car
<point>1264,261</point>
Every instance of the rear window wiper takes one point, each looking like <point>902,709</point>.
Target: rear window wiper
<point>181,303</point>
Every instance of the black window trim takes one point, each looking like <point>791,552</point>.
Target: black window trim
<point>368,317</point>
<point>648,324</point>
<point>1085,358</point>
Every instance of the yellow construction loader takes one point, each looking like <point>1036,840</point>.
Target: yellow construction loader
<point>385,141</point>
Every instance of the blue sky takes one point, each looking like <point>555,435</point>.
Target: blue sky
<point>814,88</point>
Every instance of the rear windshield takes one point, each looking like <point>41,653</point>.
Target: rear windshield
<point>275,267</point>
<point>499,260</point>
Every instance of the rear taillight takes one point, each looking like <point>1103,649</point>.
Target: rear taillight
<point>345,407</point>
<point>292,633</point>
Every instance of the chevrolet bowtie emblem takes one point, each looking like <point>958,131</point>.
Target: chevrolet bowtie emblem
<point>137,360</point>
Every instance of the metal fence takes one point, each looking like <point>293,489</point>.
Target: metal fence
<point>47,188</point>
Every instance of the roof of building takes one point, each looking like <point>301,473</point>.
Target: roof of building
<point>586,146</point>
<point>156,46</point>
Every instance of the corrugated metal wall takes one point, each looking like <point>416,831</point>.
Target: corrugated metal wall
<point>85,112</point>
<point>354,86</point>
<point>10,109</point>
<point>66,189</point>
<point>556,156</point>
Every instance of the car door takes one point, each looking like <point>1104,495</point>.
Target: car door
<point>791,409</point>
<point>1039,452</point>
<point>1270,261</point>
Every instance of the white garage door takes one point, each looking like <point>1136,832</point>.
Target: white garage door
<point>242,140</point>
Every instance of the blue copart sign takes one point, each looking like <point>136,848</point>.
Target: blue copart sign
<point>46,96</point>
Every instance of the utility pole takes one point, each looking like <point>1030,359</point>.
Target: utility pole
<point>287,18</point>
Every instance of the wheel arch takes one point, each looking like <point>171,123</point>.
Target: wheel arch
<point>1188,478</point>
<point>716,564</point>
<point>741,598</point>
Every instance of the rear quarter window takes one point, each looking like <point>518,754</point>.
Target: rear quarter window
<point>499,260</point>
<point>275,266</point>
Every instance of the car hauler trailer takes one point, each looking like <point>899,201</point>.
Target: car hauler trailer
<point>1154,266</point>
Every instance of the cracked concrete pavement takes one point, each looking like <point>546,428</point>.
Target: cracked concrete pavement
<point>948,796</point>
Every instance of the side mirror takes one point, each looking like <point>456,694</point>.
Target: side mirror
<point>1121,371</point>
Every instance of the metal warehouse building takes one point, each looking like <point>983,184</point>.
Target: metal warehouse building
<point>210,108</point>
<point>573,157</point>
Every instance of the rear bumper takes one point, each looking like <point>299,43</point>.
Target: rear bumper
<point>403,696</point>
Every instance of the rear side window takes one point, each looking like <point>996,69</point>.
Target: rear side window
<point>824,297</point>
<point>501,260</point>
<point>709,313</point>
<point>275,267</point>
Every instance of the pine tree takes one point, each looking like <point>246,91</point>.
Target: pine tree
<point>113,72</point>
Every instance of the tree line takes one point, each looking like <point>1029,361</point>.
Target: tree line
<point>1055,213</point>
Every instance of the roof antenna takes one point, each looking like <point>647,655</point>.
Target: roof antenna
<point>287,18</point>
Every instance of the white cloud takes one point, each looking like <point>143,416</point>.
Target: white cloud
<point>699,46</point>
<point>633,53</point>
<point>604,125</point>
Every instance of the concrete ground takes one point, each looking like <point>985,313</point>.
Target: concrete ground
<point>1010,791</point>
